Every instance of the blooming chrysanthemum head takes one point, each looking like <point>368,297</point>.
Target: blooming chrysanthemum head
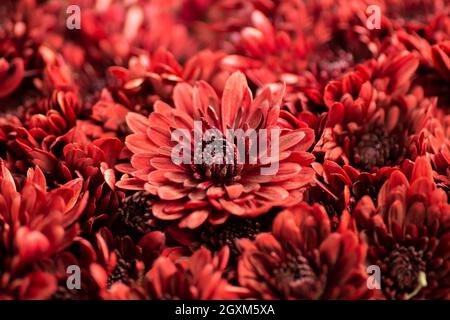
<point>375,114</point>
<point>34,226</point>
<point>227,172</point>
<point>303,259</point>
<point>198,277</point>
<point>408,234</point>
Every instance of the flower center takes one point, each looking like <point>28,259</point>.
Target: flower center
<point>216,159</point>
<point>232,230</point>
<point>332,65</point>
<point>120,272</point>
<point>407,269</point>
<point>376,149</point>
<point>135,212</point>
<point>292,270</point>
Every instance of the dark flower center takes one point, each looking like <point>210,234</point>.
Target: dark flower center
<point>332,65</point>
<point>232,230</point>
<point>64,293</point>
<point>135,212</point>
<point>416,10</point>
<point>290,271</point>
<point>216,160</point>
<point>120,272</point>
<point>377,148</point>
<point>365,187</point>
<point>406,269</point>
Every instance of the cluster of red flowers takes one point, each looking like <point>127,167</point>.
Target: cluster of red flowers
<point>87,178</point>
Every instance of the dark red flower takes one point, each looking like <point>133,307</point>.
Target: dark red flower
<point>414,15</point>
<point>441,58</point>
<point>408,234</point>
<point>192,193</point>
<point>196,277</point>
<point>441,164</point>
<point>364,126</point>
<point>122,260</point>
<point>303,259</point>
<point>35,225</point>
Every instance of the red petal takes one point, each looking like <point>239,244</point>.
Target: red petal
<point>194,219</point>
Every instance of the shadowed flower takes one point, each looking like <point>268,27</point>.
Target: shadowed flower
<point>194,192</point>
<point>20,60</point>
<point>303,259</point>
<point>157,74</point>
<point>372,118</point>
<point>175,276</point>
<point>408,234</point>
<point>34,226</point>
<point>414,15</point>
<point>441,58</point>
<point>441,163</point>
<point>122,259</point>
<point>196,277</point>
<point>343,186</point>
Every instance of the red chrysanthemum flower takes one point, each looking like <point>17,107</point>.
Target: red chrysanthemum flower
<point>176,276</point>
<point>441,163</point>
<point>121,260</point>
<point>192,193</point>
<point>81,254</point>
<point>408,234</point>
<point>364,126</point>
<point>34,226</point>
<point>414,15</point>
<point>303,259</point>
<point>196,277</point>
<point>19,56</point>
<point>441,58</point>
<point>338,188</point>
<point>149,78</point>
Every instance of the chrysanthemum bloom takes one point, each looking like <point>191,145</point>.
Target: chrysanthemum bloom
<point>73,155</point>
<point>269,55</point>
<point>372,116</point>
<point>414,15</point>
<point>157,74</point>
<point>49,134</point>
<point>338,188</point>
<point>52,113</point>
<point>441,164</point>
<point>113,30</point>
<point>66,156</point>
<point>82,254</point>
<point>121,260</point>
<point>408,234</point>
<point>34,226</point>
<point>20,38</point>
<point>194,192</point>
<point>196,277</point>
<point>304,45</point>
<point>303,259</point>
<point>441,58</point>
<point>176,276</point>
